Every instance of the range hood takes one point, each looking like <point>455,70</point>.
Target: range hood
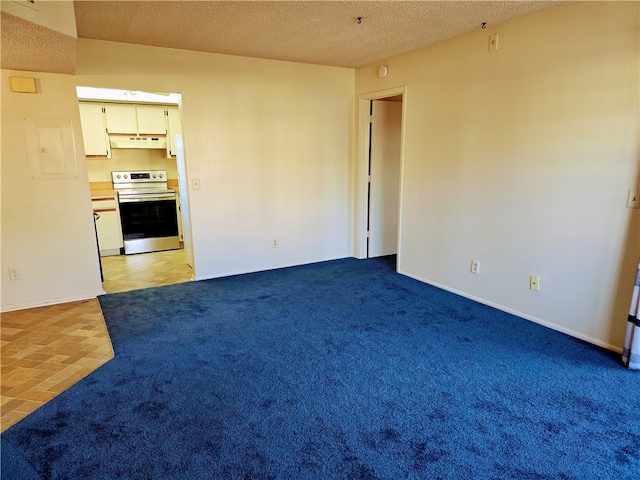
<point>124,141</point>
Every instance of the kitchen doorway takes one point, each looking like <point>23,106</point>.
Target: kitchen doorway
<point>131,132</point>
<point>380,159</point>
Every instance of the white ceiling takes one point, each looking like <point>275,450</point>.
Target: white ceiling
<point>317,32</point>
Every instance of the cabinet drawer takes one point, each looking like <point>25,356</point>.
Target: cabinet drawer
<point>99,204</point>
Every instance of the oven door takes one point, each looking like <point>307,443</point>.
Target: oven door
<point>149,225</point>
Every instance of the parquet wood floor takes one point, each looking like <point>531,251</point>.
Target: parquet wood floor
<point>123,273</point>
<point>45,350</point>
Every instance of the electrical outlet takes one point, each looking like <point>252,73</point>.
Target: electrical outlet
<point>475,267</point>
<point>275,243</point>
<point>534,283</point>
<point>14,274</point>
<point>195,184</point>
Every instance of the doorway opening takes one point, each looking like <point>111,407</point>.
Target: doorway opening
<point>380,160</point>
<point>138,134</point>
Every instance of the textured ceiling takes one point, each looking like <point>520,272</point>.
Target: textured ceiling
<point>28,46</point>
<point>317,32</point>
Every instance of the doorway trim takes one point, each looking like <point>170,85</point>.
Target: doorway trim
<point>364,137</point>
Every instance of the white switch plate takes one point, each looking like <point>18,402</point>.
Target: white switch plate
<point>475,267</point>
<point>633,199</point>
<point>195,183</point>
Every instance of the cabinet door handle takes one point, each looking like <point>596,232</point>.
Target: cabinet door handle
<point>97,210</point>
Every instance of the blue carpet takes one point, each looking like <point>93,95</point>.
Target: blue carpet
<point>337,370</point>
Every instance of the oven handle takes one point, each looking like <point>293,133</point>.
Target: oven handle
<point>149,198</point>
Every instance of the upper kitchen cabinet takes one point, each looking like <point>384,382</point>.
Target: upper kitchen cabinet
<point>174,127</point>
<point>121,119</point>
<point>151,120</point>
<point>104,122</point>
<point>94,132</point>
<point>136,119</point>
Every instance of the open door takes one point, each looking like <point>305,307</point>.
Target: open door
<point>184,200</point>
<point>384,176</point>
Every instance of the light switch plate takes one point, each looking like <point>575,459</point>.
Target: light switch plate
<point>633,199</point>
<point>475,267</point>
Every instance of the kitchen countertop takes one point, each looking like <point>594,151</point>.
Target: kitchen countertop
<point>102,189</point>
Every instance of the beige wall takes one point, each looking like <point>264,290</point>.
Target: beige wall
<point>47,225</point>
<point>521,158</point>
<point>270,142</point>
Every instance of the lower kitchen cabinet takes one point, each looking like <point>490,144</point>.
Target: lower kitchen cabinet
<point>108,225</point>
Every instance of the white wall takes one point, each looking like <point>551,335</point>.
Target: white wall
<point>47,225</point>
<point>521,158</point>
<point>270,142</point>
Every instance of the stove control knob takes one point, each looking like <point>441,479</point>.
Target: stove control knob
<point>161,175</point>
<point>118,176</point>
<point>154,175</point>
<point>126,176</point>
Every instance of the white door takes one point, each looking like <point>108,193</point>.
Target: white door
<point>384,193</point>
<point>184,200</point>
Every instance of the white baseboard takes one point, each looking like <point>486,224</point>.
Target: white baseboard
<point>50,301</point>
<point>539,321</point>
<point>266,269</point>
<point>109,252</point>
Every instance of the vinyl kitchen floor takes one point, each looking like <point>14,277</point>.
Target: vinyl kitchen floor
<point>123,273</point>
